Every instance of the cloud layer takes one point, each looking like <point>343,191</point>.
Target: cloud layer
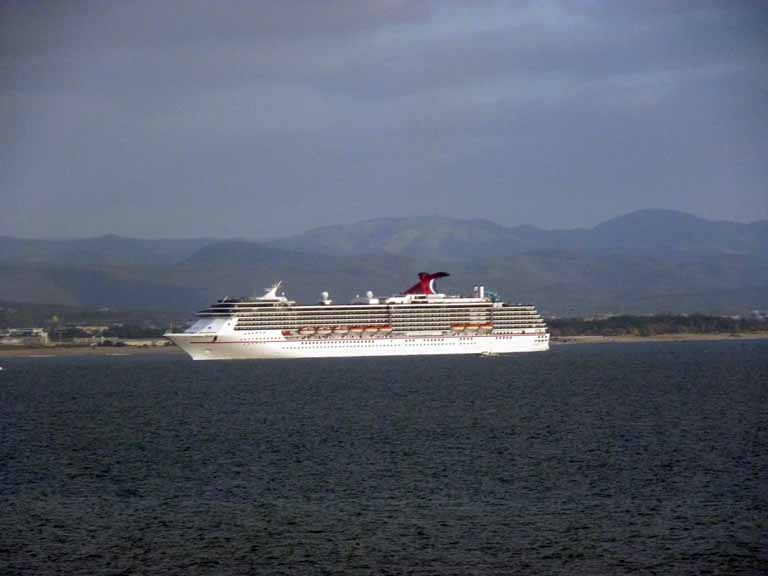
<point>261,118</point>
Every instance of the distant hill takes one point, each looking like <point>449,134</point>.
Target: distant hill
<point>665,231</point>
<point>124,288</point>
<point>16,314</point>
<point>660,232</point>
<point>420,237</point>
<point>244,268</point>
<point>246,254</point>
<point>643,262</point>
<point>109,250</point>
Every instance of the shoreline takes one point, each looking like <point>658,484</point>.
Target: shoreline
<point>681,337</point>
<point>60,351</point>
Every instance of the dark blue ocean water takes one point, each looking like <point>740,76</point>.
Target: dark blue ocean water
<point>605,459</point>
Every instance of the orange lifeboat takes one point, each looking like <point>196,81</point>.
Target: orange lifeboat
<point>458,327</point>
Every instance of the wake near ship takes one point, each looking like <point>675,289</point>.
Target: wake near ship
<point>419,321</point>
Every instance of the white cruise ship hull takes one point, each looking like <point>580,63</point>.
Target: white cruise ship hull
<point>272,344</point>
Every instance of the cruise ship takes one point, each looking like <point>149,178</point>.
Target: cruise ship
<point>419,321</point>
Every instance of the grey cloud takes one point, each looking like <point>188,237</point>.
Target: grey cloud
<point>85,25</point>
<point>258,118</point>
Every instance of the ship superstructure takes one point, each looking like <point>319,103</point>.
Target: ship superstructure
<point>418,321</point>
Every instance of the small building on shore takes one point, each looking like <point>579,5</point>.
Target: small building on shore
<point>146,342</point>
<point>24,337</point>
<point>93,330</point>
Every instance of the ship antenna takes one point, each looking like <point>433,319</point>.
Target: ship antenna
<point>272,291</point>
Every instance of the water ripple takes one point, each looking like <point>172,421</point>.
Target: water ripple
<point>642,458</point>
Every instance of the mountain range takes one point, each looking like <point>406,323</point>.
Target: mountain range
<point>645,232</point>
<point>643,262</point>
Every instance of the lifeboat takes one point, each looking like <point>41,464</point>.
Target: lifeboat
<point>385,329</point>
<point>324,330</point>
<point>458,327</point>
<point>371,329</point>
<point>486,326</point>
<point>341,330</point>
<point>356,329</point>
<point>472,327</point>
<point>307,330</point>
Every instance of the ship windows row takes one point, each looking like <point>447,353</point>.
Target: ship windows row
<point>393,317</point>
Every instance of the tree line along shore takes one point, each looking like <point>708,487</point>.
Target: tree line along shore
<point>656,325</point>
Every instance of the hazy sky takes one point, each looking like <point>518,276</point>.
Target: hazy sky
<point>262,118</point>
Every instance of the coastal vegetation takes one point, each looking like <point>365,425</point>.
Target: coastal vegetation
<point>655,325</point>
<point>57,317</point>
